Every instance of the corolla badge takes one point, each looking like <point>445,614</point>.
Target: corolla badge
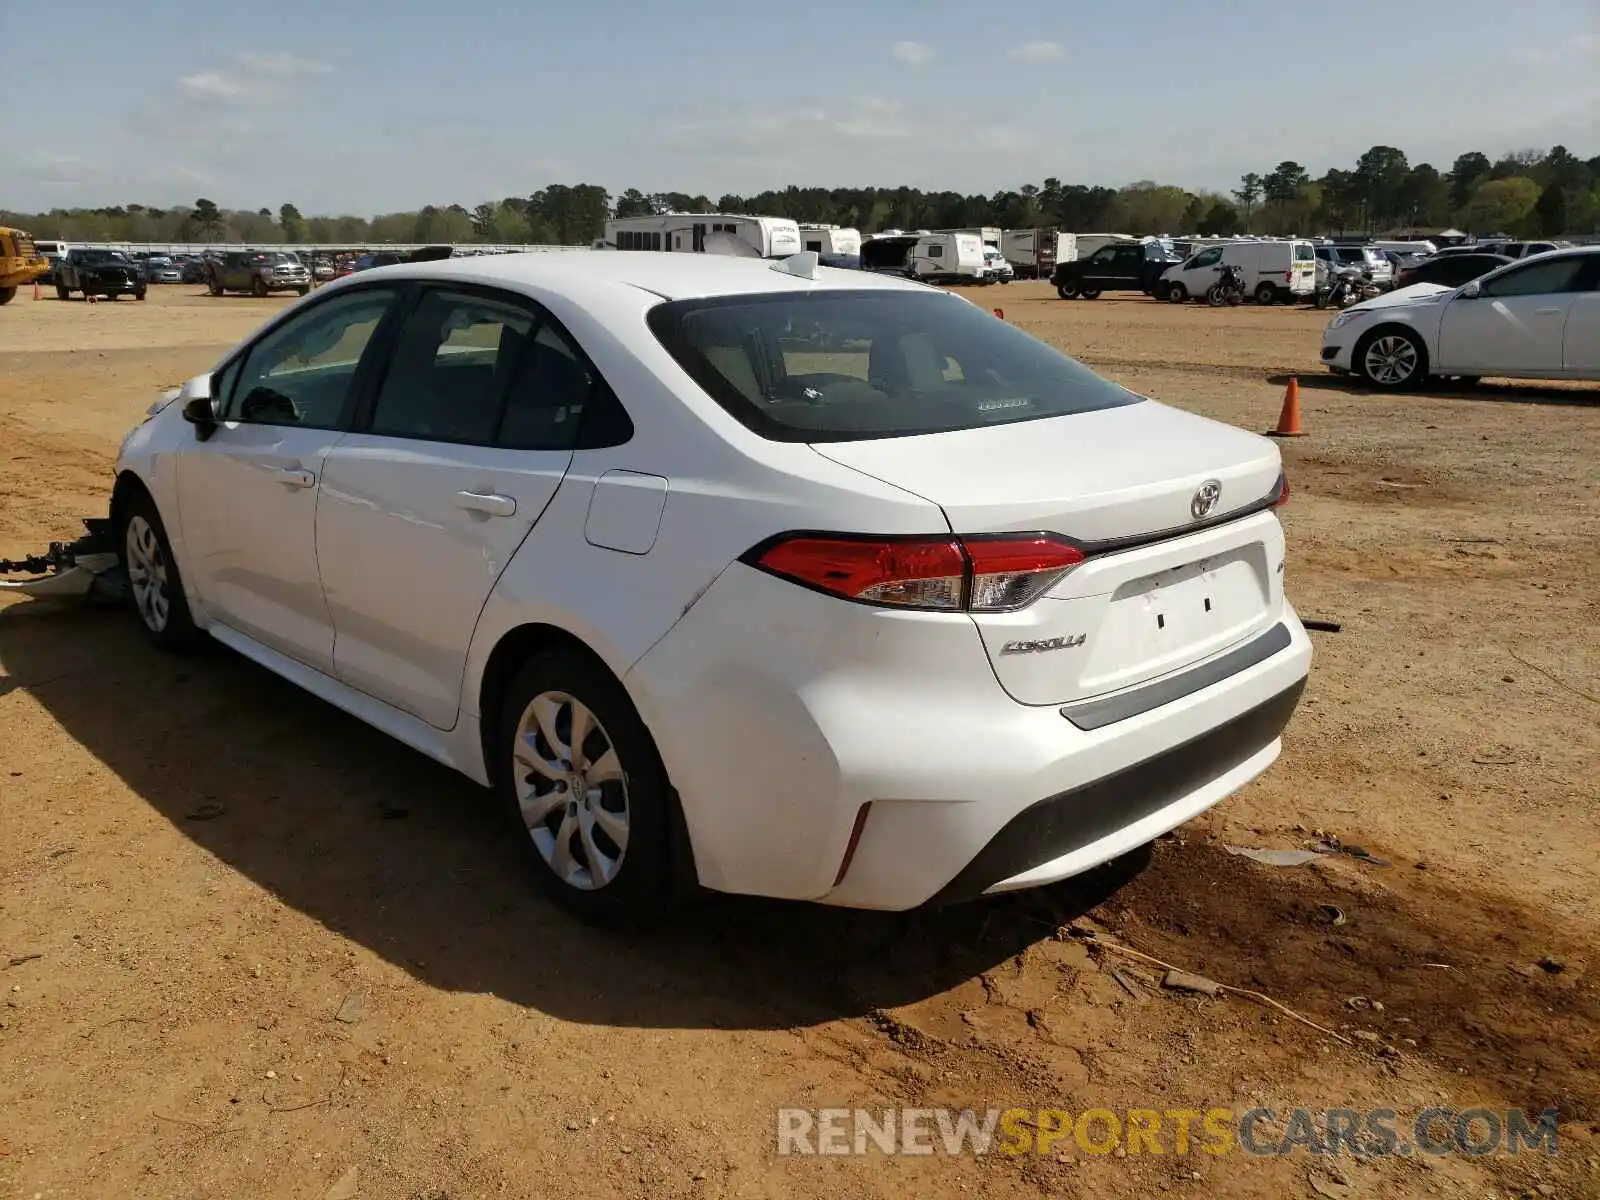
<point>1205,499</point>
<point>1042,645</point>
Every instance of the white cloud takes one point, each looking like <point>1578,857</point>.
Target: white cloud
<point>249,78</point>
<point>1037,52</point>
<point>1547,53</point>
<point>913,54</point>
<point>283,66</point>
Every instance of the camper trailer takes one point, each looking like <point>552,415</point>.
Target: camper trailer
<point>769,237</point>
<point>1033,253</point>
<point>929,257</point>
<point>830,241</point>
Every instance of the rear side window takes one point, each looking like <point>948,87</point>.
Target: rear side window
<point>854,365</point>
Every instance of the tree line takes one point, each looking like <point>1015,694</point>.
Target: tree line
<point>1523,193</point>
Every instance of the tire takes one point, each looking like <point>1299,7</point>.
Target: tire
<point>1215,296</point>
<point>1067,290</point>
<point>63,292</point>
<point>7,295</point>
<point>304,291</point>
<point>1177,293</point>
<point>1161,290</point>
<point>1089,293</point>
<point>258,287</point>
<point>1391,359</point>
<point>631,844</point>
<point>154,582</point>
<point>1266,294</point>
<point>214,285</point>
<point>140,294</point>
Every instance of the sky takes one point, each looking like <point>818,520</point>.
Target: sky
<point>367,106</point>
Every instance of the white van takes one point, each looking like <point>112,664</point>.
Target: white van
<point>1273,271</point>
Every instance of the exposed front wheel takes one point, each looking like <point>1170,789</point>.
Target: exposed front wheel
<point>585,790</point>
<point>1392,359</point>
<point>7,295</point>
<point>1177,293</point>
<point>153,579</point>
<point>1216,296</point>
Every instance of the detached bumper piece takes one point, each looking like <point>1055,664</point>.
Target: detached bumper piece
<point>1062,823</point>
<point>86,567</point>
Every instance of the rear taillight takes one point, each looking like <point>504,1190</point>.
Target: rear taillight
<point>981,574</point>
<point>1280,497</point>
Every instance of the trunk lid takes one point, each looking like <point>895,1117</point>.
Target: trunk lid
<point>1162,588</point>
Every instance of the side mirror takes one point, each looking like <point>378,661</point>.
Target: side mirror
<point>198,411</point>
<point>1472,291</point>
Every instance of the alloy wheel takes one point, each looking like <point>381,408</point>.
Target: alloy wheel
<point>147,574</point>
<point>571,790</point>
<point>1390,360</point>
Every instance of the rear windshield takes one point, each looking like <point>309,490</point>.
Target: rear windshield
<point>854,365</point>
<point>1304,252</point>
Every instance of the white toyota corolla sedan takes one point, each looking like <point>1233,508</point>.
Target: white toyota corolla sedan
<point>762,577</point>
<point>1536,318</point>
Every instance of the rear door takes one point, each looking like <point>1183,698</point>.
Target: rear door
<point>1581,342</point>
<point>462,447</point>
<point>1516,323</point>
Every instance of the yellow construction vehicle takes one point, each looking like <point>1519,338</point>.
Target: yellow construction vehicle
<point>20,263</point>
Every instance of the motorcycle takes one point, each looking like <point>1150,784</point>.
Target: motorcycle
<point>1345,289</point>
<point>1227,290</point>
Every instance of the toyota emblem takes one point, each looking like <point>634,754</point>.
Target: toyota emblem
<point>1205,499</point>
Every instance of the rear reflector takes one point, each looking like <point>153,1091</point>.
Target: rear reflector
<point>982,574</point>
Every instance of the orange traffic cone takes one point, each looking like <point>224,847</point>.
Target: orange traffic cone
<point>38,292</point>
<point>1001,313</point>
<point>1289,418</point>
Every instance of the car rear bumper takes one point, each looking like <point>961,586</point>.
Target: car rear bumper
<point>869,758</point>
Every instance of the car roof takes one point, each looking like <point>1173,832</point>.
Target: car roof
<point>670,276</point>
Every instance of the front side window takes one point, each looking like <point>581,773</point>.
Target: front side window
<point>1207,258</point>
<point>301,372</point>
<point>852,365</point>
<point>1538,279</point>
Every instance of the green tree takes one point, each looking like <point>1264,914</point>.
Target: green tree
<point>207,217</point>
<point>293,224</point>
<point>1381,173</point>
<point>1501,204</point>
<point>1248,194</point>
<point>1467,172</point>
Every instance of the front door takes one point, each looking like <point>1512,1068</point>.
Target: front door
<point>1515,323</point>
<point>247,496</point>
<point>470,434</point>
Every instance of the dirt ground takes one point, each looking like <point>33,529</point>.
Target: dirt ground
<point>201,866</point>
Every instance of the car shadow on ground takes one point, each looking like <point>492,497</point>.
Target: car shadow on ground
<point>1497,391</point>
<point>413,862</point>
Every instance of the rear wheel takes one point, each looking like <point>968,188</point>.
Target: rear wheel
<point>1392,359</point>
<point>1266,294</point>
<point>214,285</point>
<point>258,287</point>
<point>153,579</point>
<point>585,790</point>
<point>139,295</point>
<point>1089,293</point>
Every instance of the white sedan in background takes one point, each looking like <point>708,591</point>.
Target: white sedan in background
<point>1537,318</point>
<point>766,578</point>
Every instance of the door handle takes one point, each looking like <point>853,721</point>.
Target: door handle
<point>295,477</point>
<point>487,503</point>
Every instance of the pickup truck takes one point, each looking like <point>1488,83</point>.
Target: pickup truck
<point>108,273</point>
<point>1118,267</point>
<point>257,272</point>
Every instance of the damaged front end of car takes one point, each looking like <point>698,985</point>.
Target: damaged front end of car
<point>87,567</point>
